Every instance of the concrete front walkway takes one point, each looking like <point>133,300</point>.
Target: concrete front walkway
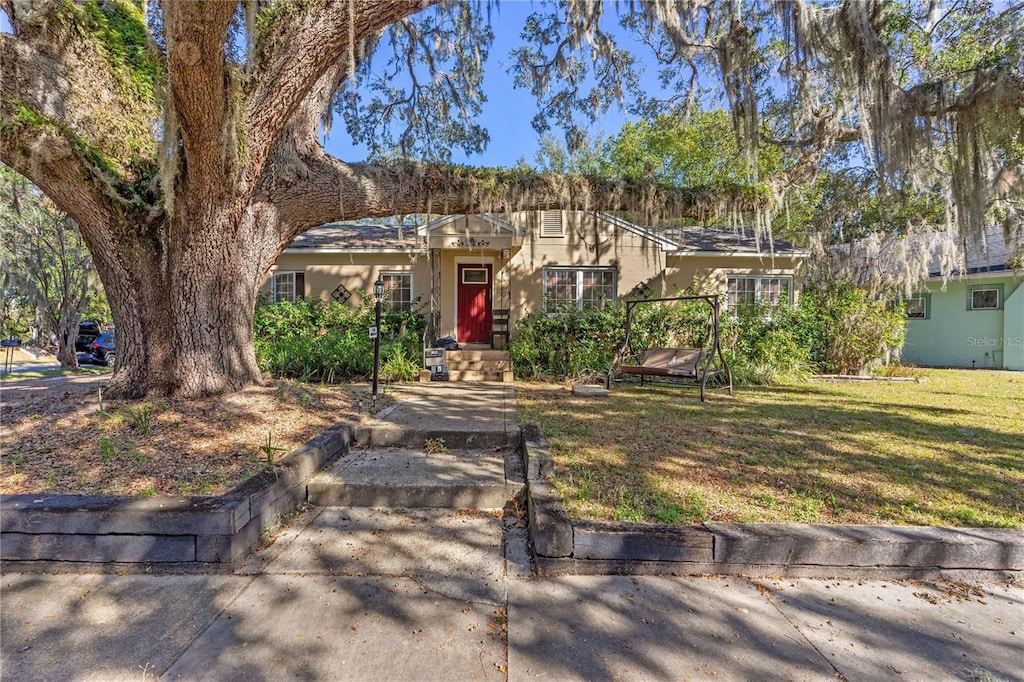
<point>462,415</point>
<point>434,594</point>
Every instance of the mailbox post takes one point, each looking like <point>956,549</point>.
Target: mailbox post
<point>9,345</point>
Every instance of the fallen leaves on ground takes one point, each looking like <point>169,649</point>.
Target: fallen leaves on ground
<point>63,437</point>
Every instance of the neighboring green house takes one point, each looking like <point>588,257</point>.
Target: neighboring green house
<point>975,319</point>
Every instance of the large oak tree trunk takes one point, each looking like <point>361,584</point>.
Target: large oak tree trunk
<point>185,311</point>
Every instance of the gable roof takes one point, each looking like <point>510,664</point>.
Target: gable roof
<point>645,232</point>
<point>697,240</point>
<point>347,237</point>
<point>496,221</point>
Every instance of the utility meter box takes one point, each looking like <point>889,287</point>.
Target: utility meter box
<point>433,359</point>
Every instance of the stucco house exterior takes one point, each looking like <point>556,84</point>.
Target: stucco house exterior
<point>975,318</point>
<point>467,273</point>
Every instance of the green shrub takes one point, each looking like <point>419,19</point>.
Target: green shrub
<point>675,325</point>
<point>845,330</point>
<point>834,328</point>
<point>315,340</point>
<point>764,345</point>
<point>398,365</point>
<point>570,343</point>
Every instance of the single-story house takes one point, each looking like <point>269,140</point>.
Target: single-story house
<point>468,272</point>
<point>973,319</point>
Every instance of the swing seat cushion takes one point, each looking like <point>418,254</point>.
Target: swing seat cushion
<point>667,362</point>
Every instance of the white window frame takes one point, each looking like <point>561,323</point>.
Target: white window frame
<point>981,288</point>
<point>291,293</point>
<point>389,302</point>
<point>925,303</point>
<point>760,295</point>
<point>579,273</point>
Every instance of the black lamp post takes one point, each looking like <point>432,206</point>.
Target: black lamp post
<point>378,295</point>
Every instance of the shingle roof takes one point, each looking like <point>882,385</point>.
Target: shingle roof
<point>988,256</point>
<point>371,237</point>
<point>726,239</point>
<point>361,237</point>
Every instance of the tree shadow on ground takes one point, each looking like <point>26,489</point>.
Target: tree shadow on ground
<point>782,454</point>
<point>348,594</point>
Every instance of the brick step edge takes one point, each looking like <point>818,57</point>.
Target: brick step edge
<point>562,545</point>
<point>166,531</point>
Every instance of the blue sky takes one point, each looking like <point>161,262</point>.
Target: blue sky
<point>508,111</point>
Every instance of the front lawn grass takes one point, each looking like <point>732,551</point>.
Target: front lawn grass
<point>948,451</point>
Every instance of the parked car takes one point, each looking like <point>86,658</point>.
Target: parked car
<point>102,349</point>
<point>87,333</point>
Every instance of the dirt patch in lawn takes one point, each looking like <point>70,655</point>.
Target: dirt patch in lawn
<point>60,436</point>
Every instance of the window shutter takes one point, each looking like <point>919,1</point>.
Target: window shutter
<point>551,224</point>
<point>300,285</point>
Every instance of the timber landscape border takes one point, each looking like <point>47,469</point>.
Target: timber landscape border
<point>215,534</point>
<point>565,546</point>
<point>161,534</point>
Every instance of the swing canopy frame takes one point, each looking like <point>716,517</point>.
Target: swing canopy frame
<point>686,365</point>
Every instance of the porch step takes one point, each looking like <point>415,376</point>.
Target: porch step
<point>479,375</point>
<point>395,477</point>
<point>454,356</point>
<point>479,365</point>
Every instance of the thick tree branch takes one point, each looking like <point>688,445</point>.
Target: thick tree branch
<point>55,164</point>
<point>309,45</point>
<point>323,189</point>
<point>73,87</point>
<point>200,87</point>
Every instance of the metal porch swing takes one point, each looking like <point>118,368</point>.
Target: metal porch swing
<point>697,366</point>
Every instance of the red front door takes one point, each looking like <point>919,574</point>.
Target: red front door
<point>474,304</point>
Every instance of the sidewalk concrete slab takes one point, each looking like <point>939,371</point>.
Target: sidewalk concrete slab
<point>454,554</point>
<point>104,627</point>
<point>623,628</point>
<point>347,628</point>
<point>398,477</point>
<point>909,631</point>
<point>464,415</point>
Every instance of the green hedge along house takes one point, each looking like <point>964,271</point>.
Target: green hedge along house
<point>474,276</point>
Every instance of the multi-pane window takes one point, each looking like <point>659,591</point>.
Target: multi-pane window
<point>578,287</point>
<point>287,286</point>
<point>770,291</point>
<point>397,290</point>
